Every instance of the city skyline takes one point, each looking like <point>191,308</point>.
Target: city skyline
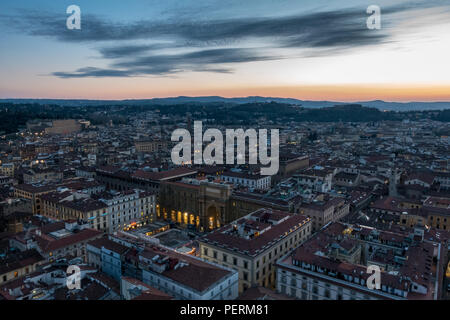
<point>225,158</point>
<point>306,50</point>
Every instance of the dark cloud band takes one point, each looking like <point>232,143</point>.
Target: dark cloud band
<point>210,46</point>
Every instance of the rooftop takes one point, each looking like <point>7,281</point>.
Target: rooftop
<point>255,232</point>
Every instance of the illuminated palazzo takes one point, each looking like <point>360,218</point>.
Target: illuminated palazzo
<point>195,203</point>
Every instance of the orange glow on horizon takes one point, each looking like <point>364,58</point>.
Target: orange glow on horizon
<point>338,93</point>
<point>349,93</point>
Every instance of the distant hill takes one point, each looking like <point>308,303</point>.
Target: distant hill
<point>381,105</point>
<point>161,101</point>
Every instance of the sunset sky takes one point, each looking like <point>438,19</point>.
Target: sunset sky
<point>304,49</point>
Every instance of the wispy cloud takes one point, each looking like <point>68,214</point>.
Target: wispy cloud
<point>209,46</point>
<point>94,72</point>
<point>198,61</point>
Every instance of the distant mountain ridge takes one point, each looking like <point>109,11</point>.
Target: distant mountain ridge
<point>379,104</point>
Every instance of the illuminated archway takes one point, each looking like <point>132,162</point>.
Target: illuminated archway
<point>213,220</point>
